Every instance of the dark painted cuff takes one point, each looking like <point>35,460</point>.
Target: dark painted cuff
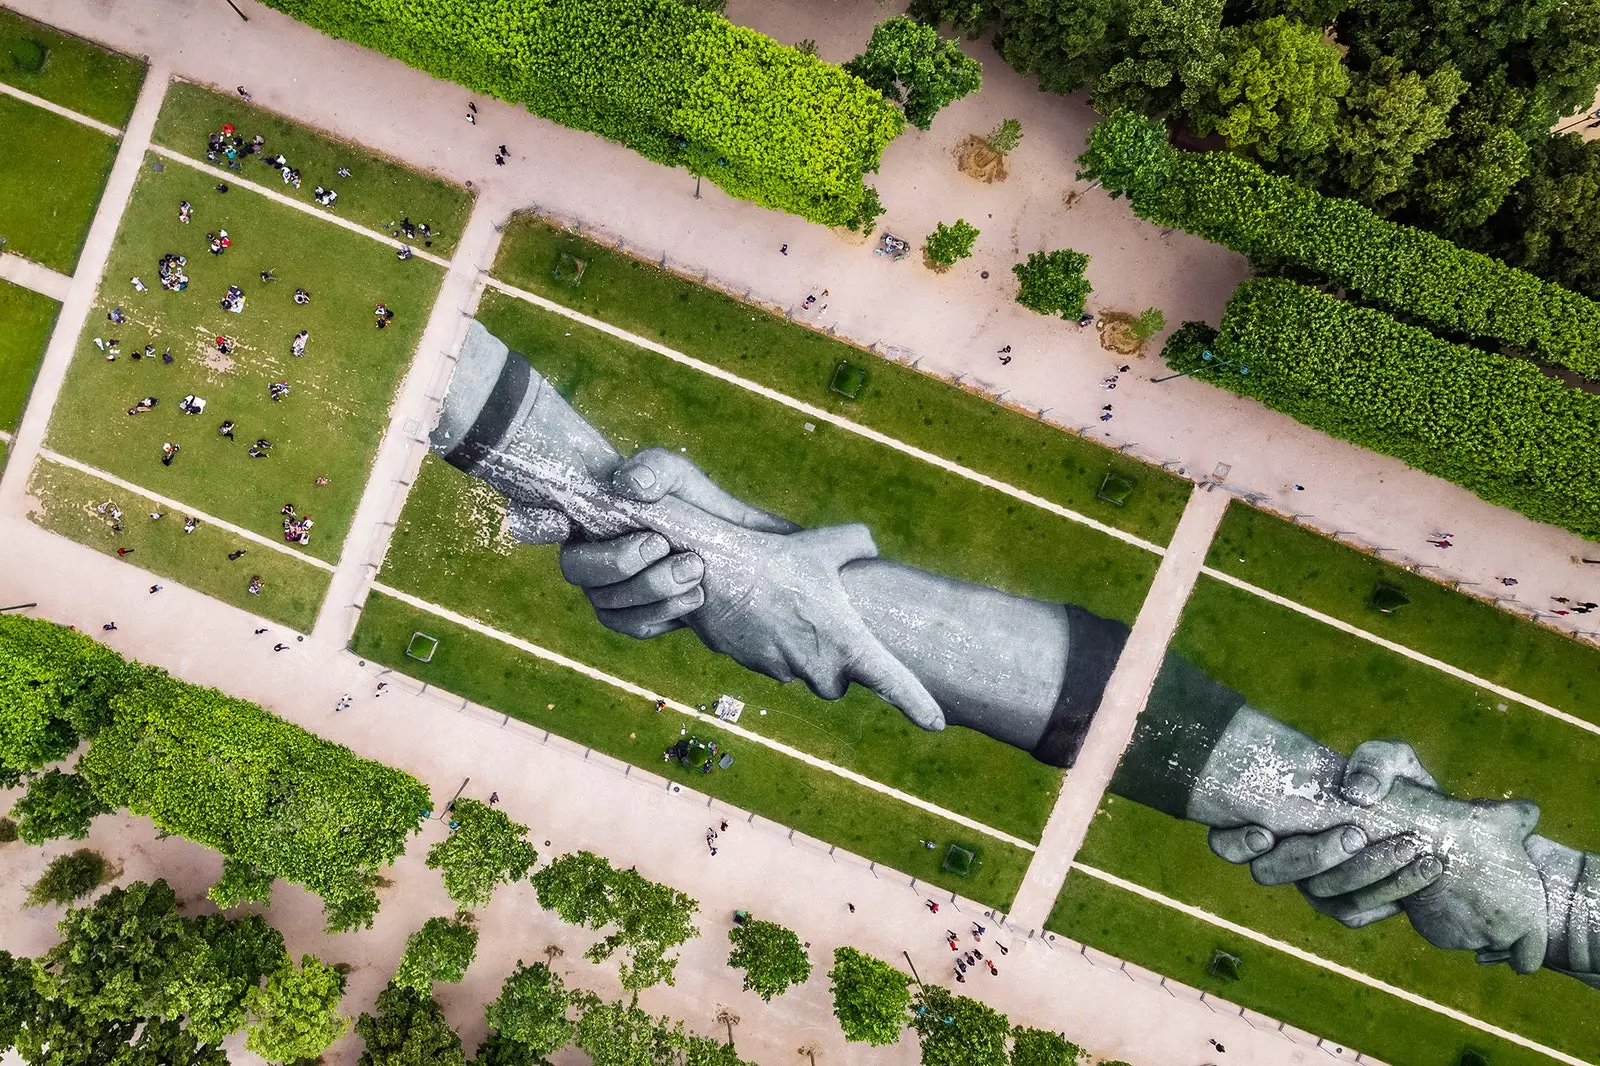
<point>1180,725</point>
<point>1093,645</point>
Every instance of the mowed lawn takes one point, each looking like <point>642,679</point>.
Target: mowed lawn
<point>449,549</point>
<point>901,402</point>
<point>76,74</point>
<point>1313,570</point>
<point>340,392</point>
<point>52,171</point>
<point>1342,690</point>
<point>1345,1012</point>
<point>378,194</point>
<point>771,784</point>
<point>26,319</point>
<point>69,503</point>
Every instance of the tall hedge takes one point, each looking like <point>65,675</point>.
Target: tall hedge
<point>1490,423</point>
<point>55,686</point>
<point>1225,198</point>
<point>677,84</point>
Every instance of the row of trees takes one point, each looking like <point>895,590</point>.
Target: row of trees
<point>275,800</point>
<point>1279,223</point>
<point>1433,112</point>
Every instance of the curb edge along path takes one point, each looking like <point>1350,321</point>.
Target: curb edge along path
<point>1124,698</point>
<point>79,300</point>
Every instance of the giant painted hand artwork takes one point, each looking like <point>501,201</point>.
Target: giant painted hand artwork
<point>657,546</point>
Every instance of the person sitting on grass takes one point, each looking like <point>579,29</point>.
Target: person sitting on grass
<point>169,452</point>
<point>278,390</point>
<point>144,406</point>
<point>301,296</point>
<point>298,347</point>
<point>226,429</point>
<point>385,316</point>
<point>256,584</point>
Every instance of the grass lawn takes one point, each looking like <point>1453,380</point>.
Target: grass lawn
<point>76,74</point>
<point>1272,982</point>
<point>1312,569</point>
<point>800,362</point>
<point>52,172</point>
<point>378,193</point>
<point>1343,690</point>
<point>68,504</point>
<point>340,392</point>
<point>448,549</point>
<point>29,317</point>
<point>769,783</point>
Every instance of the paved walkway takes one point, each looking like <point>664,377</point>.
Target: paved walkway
<point>78,300</point>
<point>1124,698</point>
<point>31,275</point>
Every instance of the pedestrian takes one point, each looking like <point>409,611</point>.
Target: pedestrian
<point>499,160</point>
<point>724,825</point>
<point>235,556</point>
<point>1508,581</point>
<point>933,907</point>
<point>280,647</point>
<point>154,589</point>
<point>979,930</point>
<point>255,585</point>
<point>1560,599</point>
<point>1107,407</point>
<point>1441,543</point>
<point>125,551</point>
<point>472,115</point>
<point>783,250</point>
<point>505,151</point>
<point>1083,322</point>
<point>244,94</point>
<point>1213,1042</point>
<point>109,627</point>
<point>260,631</point>
<point>222,186</point>
<point>1006,349</point>
<point>961,966</point>
<point>1003,949</point>
<point>494,797</point>
<point>852,907</point>
<point>960,978</point>
<point>1105,416</point>
<point>993,971</point>
<point>1124,368</point>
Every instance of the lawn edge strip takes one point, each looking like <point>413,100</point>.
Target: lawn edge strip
<point>823,416</point>
<point>65,112</point>
<point>1401,649</point>
<point>167,501</point>
<point>1329,965</point>
<point>689,712</point>
<point>233,179</point>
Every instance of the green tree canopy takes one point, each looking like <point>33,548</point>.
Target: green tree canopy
<point>648,920</point>
<point>164,1042</point>
<point>620,1034</point>
<point>958,1031</point>
<point>770,955</point>
<point>55,686</point>
<point>870,997</point>
<point>1552,224</point>
<point>1127,154</point>
<point>1066,44</point>
<point>1040,1047</point>
<point>440,951</point>
<point>1172,55</point>
<point>241,882</point>
<point>917,69</point>
<point>1053,283</point>
<point>949,243</point>
<point>239,953</point>
<point>497,1049</point>
<point>1390,118</point>
<point>532,1008</point>
<point>409,1029</point>
<point>1279,94</point>
<point>296,1014</point>
<point>18,1000</point>
<point>56,805</point>
<point>484,849</point>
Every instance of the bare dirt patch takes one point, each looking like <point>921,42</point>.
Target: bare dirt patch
<point>976,159</point>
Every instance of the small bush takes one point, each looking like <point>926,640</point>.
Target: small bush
<point>68,879</point>
<point>1004,138</point>
<point>947,244</point>
<point>1053,283</point>
<point>1151,320</point>
<point>8,830</point>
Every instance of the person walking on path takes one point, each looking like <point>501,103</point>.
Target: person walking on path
<point>154,589</point>
<point>280,647</point>
<point>110,627</point>
<point>933,908</point>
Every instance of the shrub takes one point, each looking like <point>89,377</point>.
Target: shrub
<point>56,805</point>
<point>1040,1047</point>
<point>1004,138</point>
<point>440,951</point>
<point>531,1010</point>
<point>1150,321</point>
<point>1229,200</point>
<point>55,686</point>
<point>296,1013</point>
<point>1490,423</point>
<point>674,83</point>
<point>1053,283</point>
<point>68,879</point>
<point>947,244</point>
<point>8,830</point>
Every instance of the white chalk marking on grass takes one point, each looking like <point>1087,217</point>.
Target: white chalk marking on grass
<point>174,505</point>
<point>825,416</point>
<point>1401,649</point>
<point>684,709</point>
<point>1327,964</point>
<point>64,112</point>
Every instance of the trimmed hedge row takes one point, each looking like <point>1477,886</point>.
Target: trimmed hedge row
<point>677,84</point>
<point>1490,423</point>
<point>1230,200</point>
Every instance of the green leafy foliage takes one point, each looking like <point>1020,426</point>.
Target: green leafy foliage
<point>1004,138</point>
<point>227,774</point>
<point>1232,201</point>
<point>1552,225</point>
<point>916,69</point>
<point>1053,283</point>
<point>675,83</point>
<point>54,1027</point>
<point>1390,118</point>
<point>771,956</point>
<point>1490,423</point>
<point>67,879</point>
<point>164,1042</point>
<point>1128,155</point>
<point>708,1051</point>
<point>499,1050</point>
<point>1150,321</point>
<point>1279,93</point>
<point>870,997</point>
<point>8,831</point>
<point>1173,53</point>
<point>241,882</point>
<point>531,1010</point>
<point>1067,46</point>
<point>958,1031</point>
<point>125,955</point>
<point>947,244</point>
<point>648,919</point>
<point>620,1034</point>
<point>55,686</point>
<point>409,1029</point>
<point>1040,1047</point>
<point>56,805</point>
<point>440,951</point>
<point>18,999</point>
<point>296,1014</point>
<point>484,849</point>
<point>239,953</point>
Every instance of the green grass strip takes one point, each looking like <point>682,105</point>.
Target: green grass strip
<point>340,392</point>
<point>1338,580</point>
<point>76,74</point>
<point>52,172</point>
<point>29,317</point>
<point>69,502</point>
<point>378,193</point>
<point>763,781</point>
<point>799,362</point>
<point>1272,982</point>
<point>1342,690</point>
